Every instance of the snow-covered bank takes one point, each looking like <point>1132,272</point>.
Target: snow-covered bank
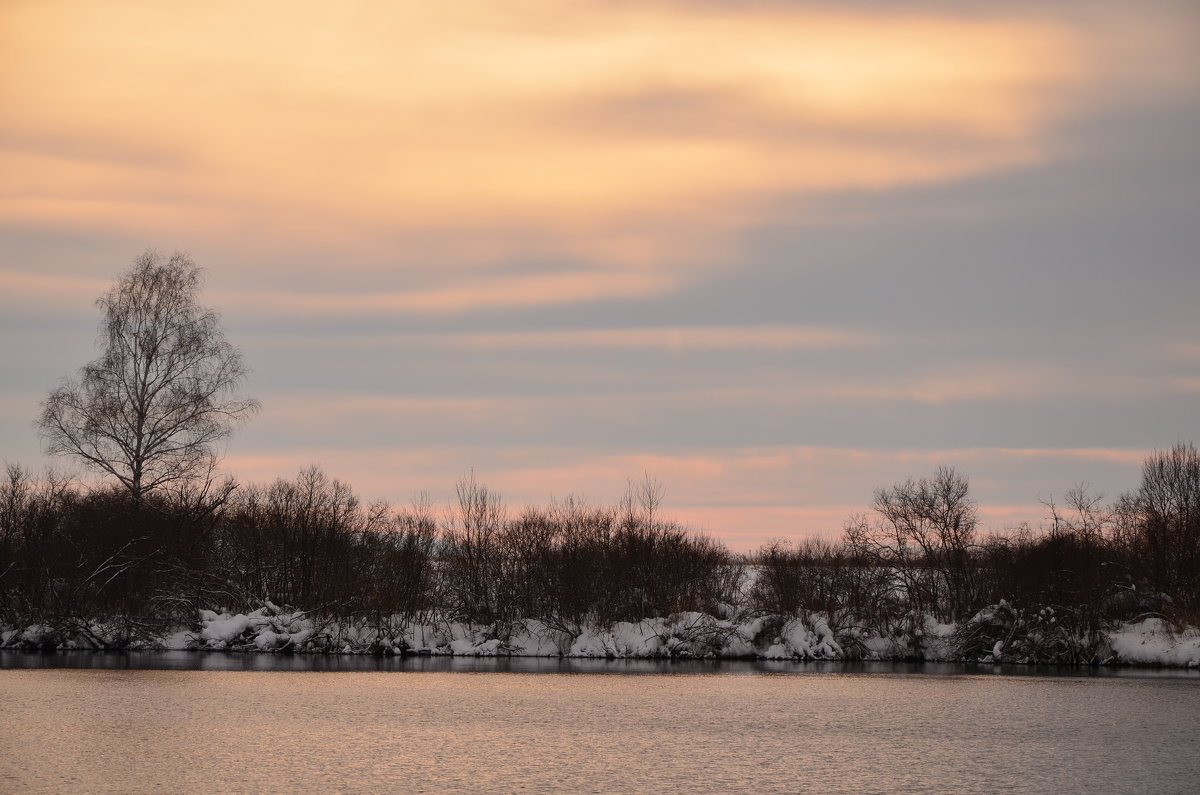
<point>1153,642</point>
<point>997,634</point>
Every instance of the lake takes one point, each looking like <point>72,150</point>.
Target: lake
<point>195,722</point>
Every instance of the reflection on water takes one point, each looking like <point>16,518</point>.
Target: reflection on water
<point>250,661</point>
<point>434,724</point>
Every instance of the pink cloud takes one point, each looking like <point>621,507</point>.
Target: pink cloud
<point>674,338</point>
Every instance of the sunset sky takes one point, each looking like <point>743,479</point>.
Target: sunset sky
<point>775,254</point>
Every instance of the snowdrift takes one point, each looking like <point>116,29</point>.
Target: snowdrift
<point>998,633</point>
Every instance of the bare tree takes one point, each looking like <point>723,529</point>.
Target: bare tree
<point>149,410</point>
<point>926,533</point>
<point>1086,517</point>
<point>645,494</point>
<point>1168,519</point>
<point>473,549</point>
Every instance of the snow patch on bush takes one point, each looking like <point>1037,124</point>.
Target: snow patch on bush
<point>1153,641</point>
<point>998,633</point>
<point>800,641</point>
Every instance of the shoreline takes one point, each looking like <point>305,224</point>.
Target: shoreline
<point>992,637</point>
<point>338,662</point>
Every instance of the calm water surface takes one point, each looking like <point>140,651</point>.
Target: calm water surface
<point>589,726</point>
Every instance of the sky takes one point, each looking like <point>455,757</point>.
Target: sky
<point>775,255</point>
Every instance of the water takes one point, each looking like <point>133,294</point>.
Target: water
<point>427,725</point>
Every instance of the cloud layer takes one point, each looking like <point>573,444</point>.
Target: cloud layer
<point>629,133</point>
<point>775,253</point>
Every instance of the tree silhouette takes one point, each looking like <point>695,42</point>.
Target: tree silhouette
<point>163,390</point>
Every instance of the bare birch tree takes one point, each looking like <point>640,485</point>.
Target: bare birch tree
<point>149,410</point>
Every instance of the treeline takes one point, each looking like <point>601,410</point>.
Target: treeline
<point>920,553</point>
<point>69,554</point>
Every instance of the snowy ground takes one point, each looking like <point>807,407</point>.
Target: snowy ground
<point>1151,641</point>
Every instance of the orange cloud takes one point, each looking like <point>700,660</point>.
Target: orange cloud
<point>673,338</point>
<point>486,291</point>
<point>29,285</point>
<point>949,384</point>
<point>631,134</point>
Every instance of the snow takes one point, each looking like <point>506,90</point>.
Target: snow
<point>1152,641</point>
<point>797,641</point>
<point>733,634</point>
<point>222,629</point>
<point>678,636</point>
<point>38,634</point>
